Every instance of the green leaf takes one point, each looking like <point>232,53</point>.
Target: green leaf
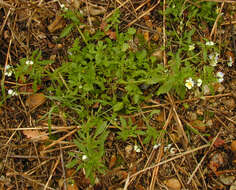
<point>66,30</point>
<point>166,87</point>
<point>118,106</point>
<point>131,31</point>
<point>72,163</point>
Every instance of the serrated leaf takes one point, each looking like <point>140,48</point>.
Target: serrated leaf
<point>66,30</point>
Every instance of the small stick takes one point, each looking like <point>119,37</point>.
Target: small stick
<point>203,158</point>
<point>142,15</point>
<point>60,139</point>
<point>50,177</point>
<point>213,31</point>
<point>171,159</point>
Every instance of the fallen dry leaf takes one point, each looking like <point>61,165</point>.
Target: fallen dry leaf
<point>219,142</point>
<point>72,187</point>
<point>198,124</point>
<point>35,135</point>
<point>96,10</point>
<point>173,184</point>
<point>112,161</point>
<point>216,161</point>
<point>57,24</point>
<point>35,100</point>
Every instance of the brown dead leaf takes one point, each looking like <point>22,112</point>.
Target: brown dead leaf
<point>96,10</point>
<point>219,142</point>
<point>148,21</point>
<point>160,117</point>
<point>216,161</point>
<point>35,100</point>
<point>146,35</point>
<point>35,135</point>
<point>57,24</point>
<point>112,161</point>
<point>158,54</point>
<point>173,184</point>
<point>72,187</point>
<point>198,124</point>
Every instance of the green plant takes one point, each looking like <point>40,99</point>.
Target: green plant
<point>128,130</point>
<point>90,143</point>
<point>103,77</point>
<point>32,69</point>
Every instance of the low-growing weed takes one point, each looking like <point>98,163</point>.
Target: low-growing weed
<point>105,76</point>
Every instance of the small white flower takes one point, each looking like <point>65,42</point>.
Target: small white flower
<point>12,92</point>
<point>63,7</point>
<point>210,43</point>
<point>199,82</point>
<point>189,83</point>
<point>29,62</point>
<point>220,80</point>
<point>84,157</point>
<point>137,149</point>
<point>8,73</point>
<point>220,74</point>
<point>156,146</point>
<point>213,59</point>
<point>191,47</point>
<point>230,62</point>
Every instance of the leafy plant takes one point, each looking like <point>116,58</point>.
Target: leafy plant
<point>90,143</point>
<point>32,69</point>
<point>127,130</point>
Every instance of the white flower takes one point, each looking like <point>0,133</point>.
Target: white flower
<point>199,82</point>
<point>29,62</point>
<point>230,63</point>
<point>189,83</point>
<point>220,80</point>
<point>12,92</point>
<point>9,71</point>
<point>210,43</point>
<point>137,149</point>
<point>191,47</point>
<point>156,146</point>
<point>63,7</point>
<point>220,76</point>
<point>84,157</point>
<point>213,59</point>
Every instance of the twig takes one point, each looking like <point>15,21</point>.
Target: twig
<point>142,15</point>
<point>50,177</point>
<point>164,33</point>
<point>60,139</point>
<point>213,31</point>
<point>203,158</point>
<point>171,159</point>
<point>63,168</point>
